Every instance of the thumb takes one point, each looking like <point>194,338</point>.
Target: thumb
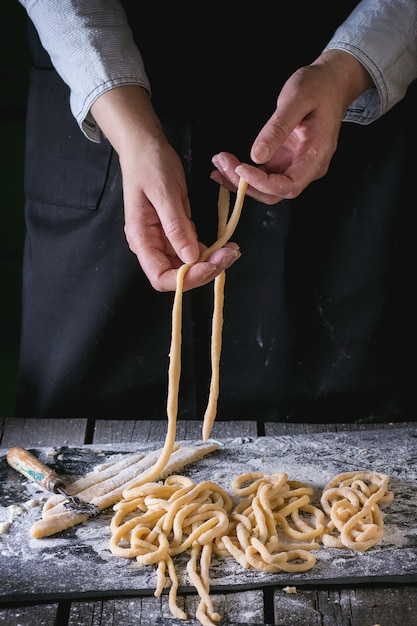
<point>289,113</point>
<point>183,239</point>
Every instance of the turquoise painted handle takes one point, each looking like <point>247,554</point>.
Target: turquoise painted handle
<point>30,466</point>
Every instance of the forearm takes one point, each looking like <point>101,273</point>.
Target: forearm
<point>382,36</point>
<point>82,39</point>
<point>126,116</point>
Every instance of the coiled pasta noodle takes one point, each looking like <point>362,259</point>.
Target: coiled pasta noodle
<point>351,501</point>
<point>264,525</point>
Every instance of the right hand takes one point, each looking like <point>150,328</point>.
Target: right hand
<point>158,224</point>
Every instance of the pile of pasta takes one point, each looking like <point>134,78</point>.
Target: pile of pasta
<point>272,527</point>
<point>351,502</point>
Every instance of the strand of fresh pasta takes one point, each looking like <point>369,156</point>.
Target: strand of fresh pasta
<point>351,502</point>
<point>231,223</point>
<point>119,480</point>
<point>217,322</point>
<point>167,519</point>
<point>227,228</point>
<point>174,371</point>
<point>216,348</point>
<point>61,519</point>
<point>253,539</point>
<point>174,374</point>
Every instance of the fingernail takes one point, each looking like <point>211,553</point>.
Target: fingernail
<point>230,257</point>
<point>210,271</point>
<point>219,161</point>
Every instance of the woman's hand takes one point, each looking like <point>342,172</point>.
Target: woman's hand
<point>158,224</point>
<point>297,143</point>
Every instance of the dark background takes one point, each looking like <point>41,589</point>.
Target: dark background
<point>13,85</point>
<point>361,150</point>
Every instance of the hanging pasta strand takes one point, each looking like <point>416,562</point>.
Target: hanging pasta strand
<point>227,228</point>
<point>217,322</point>
<point>174,371</point>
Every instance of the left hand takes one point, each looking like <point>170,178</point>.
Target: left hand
<point>296,145</point>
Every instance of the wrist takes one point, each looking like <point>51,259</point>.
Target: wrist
<point>349,76</point>
<point>125,114</point>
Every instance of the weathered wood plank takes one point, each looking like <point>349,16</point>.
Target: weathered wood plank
<point>127,431</point>
<point>282,428</point>
<point>43,432</point>
<point>274,429</point>
<point>344,607</point>
<point>30,615</point>
<point>224,430</point>
<point>396,605</point>
<point>240,607</point>
<point>297,609</point>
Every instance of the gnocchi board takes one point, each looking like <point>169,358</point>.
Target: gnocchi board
<point>78,561</point>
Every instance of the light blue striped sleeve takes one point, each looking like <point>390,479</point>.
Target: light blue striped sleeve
<point>382,35</point>
<point>92,48</point>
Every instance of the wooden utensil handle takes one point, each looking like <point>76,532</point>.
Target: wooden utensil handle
<point>29,465</point>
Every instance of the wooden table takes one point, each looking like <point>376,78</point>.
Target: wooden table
<point>324,605</point>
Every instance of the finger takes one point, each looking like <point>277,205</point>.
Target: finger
<point>226,164</point>
<point>200,274</point>
<point>274,134</point>
<point>224,257</point>
<point>167,210</point>
<point>203,273</point>
<point>179,230</point>
<point>222,180</point>
<point>290,111</point>
<point>269,186</point>
<point>253,191</point>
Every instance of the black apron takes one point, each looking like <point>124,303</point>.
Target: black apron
<point>318,314</point>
